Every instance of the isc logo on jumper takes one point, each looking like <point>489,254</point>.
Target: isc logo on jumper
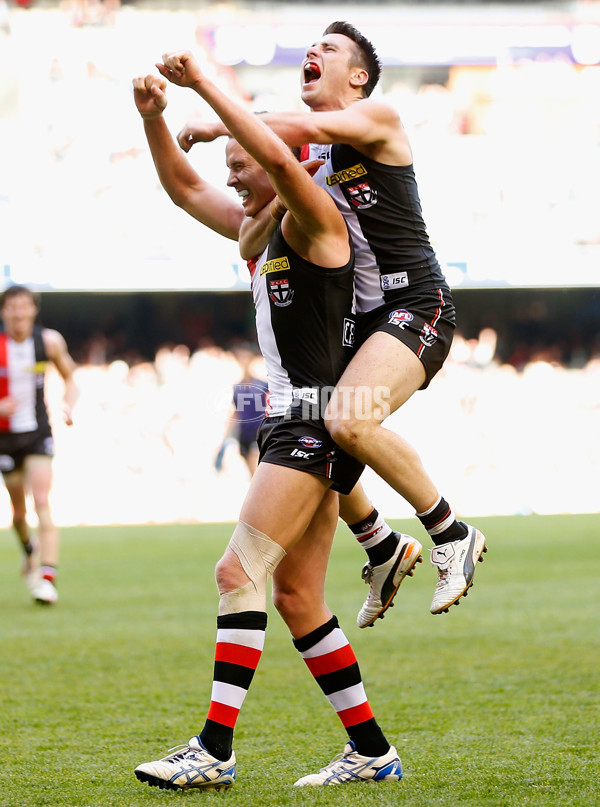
<point>308,394</point>
<point>394,280</point>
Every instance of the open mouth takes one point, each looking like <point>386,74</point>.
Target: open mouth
<point>243,193</point>
<point>312,72</point>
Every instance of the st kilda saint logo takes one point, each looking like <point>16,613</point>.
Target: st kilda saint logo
<point>362,196</point>
<point>428,335</point>
<point>280,292</point>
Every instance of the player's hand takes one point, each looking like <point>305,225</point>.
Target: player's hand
<point>8,407</point>
<point>149,96</point>
<point>67,415</point>
<point>312,166</point>
<point>196,132</point>
<point>180,68</point>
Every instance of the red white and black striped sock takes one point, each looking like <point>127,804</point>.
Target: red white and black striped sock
<point>441,524</point>
<point>240,642</point>
<point>376,537</point>
<point>331,660</point>
<point>48,573</point>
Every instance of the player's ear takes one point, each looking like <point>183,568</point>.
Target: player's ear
<point>358,77</point>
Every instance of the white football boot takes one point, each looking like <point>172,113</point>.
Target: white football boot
<point>384,580</point>
<point>353,767</point>
<point>42,590</point>
<point>188,766</point>
<point>455,563</point>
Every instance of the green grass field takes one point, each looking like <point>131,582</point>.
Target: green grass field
<point>494,703</point>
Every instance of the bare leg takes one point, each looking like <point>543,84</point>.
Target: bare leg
<point>355,506</point>
<point>15,486</point>
<point>299,595</point>
<point>299,580</point>
<point>393,373</point>
<point>251,460</point>
<point>263,510</point>
<point>38,475</point>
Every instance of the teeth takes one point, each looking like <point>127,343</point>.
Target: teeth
<point>243,193</point>
<point>311,72</point>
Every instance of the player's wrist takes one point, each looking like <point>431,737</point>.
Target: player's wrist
<point>219,130</point>
<point>147,116</point>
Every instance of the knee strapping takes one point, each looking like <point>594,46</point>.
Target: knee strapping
<point>259,556</point>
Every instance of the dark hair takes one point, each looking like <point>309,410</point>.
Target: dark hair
<point>14,291</point>
<point>366,54</point>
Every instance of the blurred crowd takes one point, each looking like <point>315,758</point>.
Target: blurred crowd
<point>146,437</point>
<point>483,137</point>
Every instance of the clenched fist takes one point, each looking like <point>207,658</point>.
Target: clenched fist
<point>149,96</point>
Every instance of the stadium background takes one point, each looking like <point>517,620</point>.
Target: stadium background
<point>500,101</point>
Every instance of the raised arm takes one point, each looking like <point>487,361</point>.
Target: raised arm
<point>186,188</point>
<point>314,218</point>
<point>372,127</point>
<point>256,231</point>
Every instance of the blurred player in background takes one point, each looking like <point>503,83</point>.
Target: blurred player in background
<point>303,289</point>
<point>26,444</point>
<point>247,412</point>
<point>406,316</point>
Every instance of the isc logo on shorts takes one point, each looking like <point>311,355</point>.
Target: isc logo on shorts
<point>400,317</point>
<point>303,455</point>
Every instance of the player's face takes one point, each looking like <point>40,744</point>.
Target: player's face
<point>326,71</point>
<point>18,314</point>
<point>248,178</point>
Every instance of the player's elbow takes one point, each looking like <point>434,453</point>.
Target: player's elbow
<point>281,162</point>
<point>178,196</point>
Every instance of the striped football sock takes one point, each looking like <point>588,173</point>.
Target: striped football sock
<point>441,524</point>
<point>376,537</point>
<point>331,660</point>
<point>240,642</point>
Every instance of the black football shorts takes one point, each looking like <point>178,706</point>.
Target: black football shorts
<point>423,321</point>
<point>305,444</point>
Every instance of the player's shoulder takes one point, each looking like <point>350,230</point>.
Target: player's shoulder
<point>53,340</point>
<point>377,108</point>
<point>51,335</point>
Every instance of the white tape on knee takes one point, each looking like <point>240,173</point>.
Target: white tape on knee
<point>259,556</point>
<point>241,599</point>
